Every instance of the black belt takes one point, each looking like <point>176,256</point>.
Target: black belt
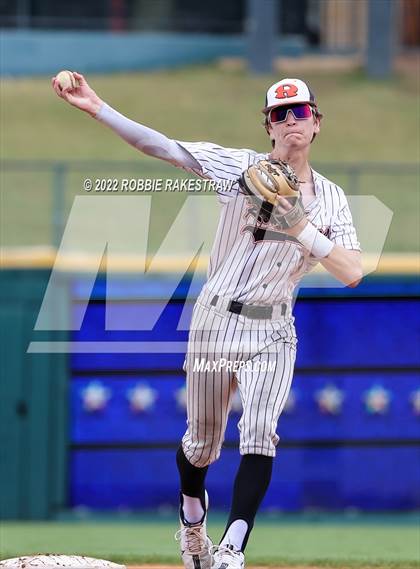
<point>249,310</point>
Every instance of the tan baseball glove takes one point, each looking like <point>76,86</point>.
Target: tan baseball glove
<point>266,180</point>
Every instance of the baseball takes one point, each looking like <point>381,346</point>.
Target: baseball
<point>66,80</point>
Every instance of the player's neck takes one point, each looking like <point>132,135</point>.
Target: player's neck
<point>297,160</point>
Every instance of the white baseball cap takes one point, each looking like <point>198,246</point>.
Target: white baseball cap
<point>288,92</point>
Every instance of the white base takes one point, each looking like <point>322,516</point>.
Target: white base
<point>52,561</point>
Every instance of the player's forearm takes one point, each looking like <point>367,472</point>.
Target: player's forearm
<point>145,139</point>
<point>344,264</point>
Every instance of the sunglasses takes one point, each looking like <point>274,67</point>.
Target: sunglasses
<point>300,111</point>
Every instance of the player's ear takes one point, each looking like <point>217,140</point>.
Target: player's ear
<point>317,127</point>
<point>317,124</point>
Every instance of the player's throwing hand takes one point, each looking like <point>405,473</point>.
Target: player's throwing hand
<point>81,96</point>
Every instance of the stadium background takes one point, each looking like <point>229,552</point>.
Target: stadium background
<point>75,441</point>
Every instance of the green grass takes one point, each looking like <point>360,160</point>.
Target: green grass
<point>365,121</point>
<point>354,544</point>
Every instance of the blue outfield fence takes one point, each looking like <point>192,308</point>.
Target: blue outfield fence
<point>359,345</point>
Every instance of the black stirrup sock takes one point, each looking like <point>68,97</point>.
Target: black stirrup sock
<point>251,484</point>
<point>192,477</point>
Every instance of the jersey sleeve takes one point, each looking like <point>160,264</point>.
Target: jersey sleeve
<point>218,164</point>
<point>342,230</point>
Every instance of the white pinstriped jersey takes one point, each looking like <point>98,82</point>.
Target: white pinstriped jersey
<point>251,261</point>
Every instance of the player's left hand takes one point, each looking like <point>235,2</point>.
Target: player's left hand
<point>283,205</point>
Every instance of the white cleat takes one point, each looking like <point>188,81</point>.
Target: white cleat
<point>226,557</point>
<point>195,544</point>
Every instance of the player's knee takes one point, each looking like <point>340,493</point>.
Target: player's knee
<point>202,462</point>
<point>259,442</point>
<point>202,455</point>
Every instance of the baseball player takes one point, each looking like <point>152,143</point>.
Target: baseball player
<point>242,322</point>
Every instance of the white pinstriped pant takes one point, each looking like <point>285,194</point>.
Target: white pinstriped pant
<point>264,352</point>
